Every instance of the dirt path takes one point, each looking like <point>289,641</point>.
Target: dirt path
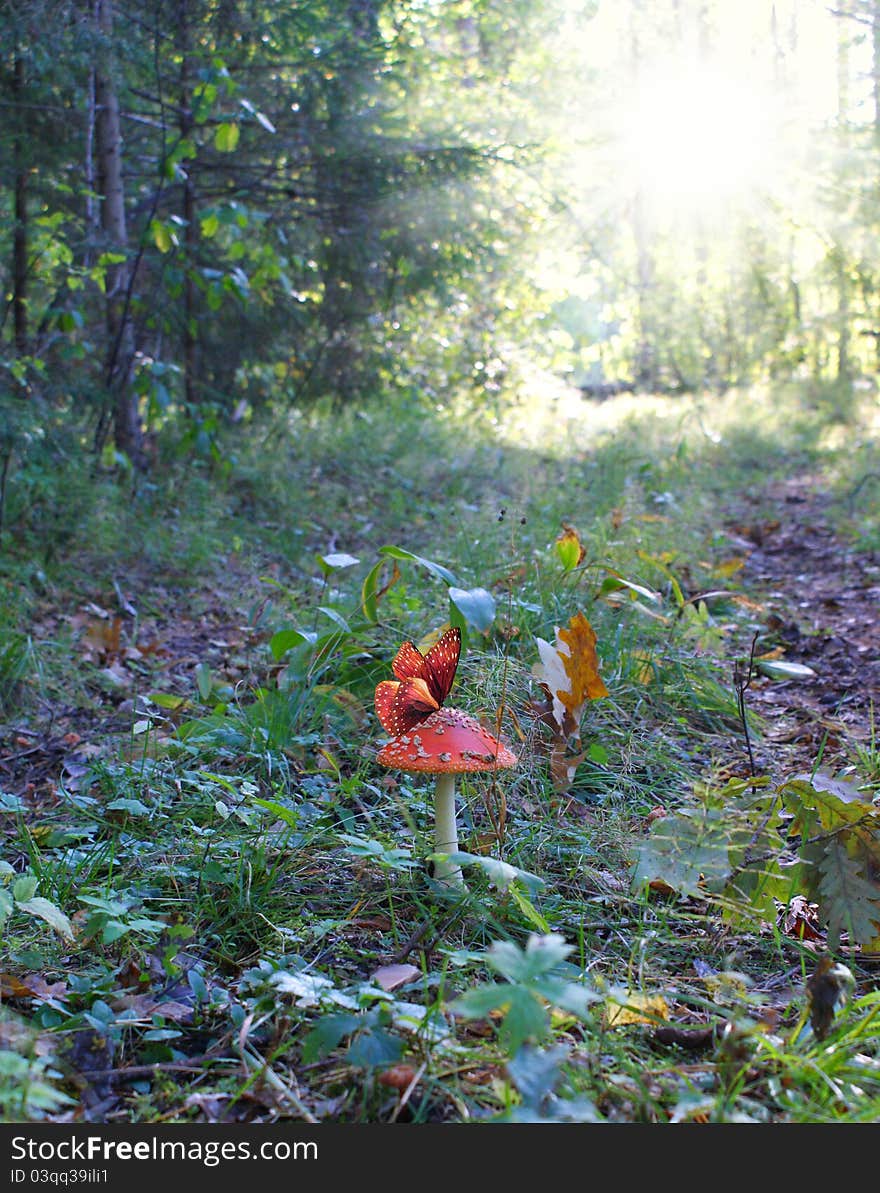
<point>822,602</point>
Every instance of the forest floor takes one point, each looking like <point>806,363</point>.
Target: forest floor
<point>818,594</point>
<point>225,913</point>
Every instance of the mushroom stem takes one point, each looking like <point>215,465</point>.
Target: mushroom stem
<point>445,830</point>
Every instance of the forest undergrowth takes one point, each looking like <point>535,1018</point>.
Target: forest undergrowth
<point>216,906</point>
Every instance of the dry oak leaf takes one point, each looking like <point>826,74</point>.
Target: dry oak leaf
<point>570,671</point>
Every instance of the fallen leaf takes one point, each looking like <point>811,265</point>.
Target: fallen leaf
<point>635,1008</point>
<point>13,987</point>
<point>800,919</point>
<point>729,567</point>
<point>569,672</point>
<point>391,977</point>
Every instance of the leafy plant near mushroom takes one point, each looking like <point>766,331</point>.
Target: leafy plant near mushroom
<point>430,739</point>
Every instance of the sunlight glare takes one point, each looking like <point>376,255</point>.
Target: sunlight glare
<point>695,137</point>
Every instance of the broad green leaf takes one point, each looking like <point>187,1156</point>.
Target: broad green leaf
<point>132,806</point>
<point>286,814</point>
<point>162,237</point>
<point>848,900</point>
<point>335,617</point>
<point>114,930</point>
<point>226,137</point>
<point>569,548</point>
<point>210,225</point>
<point>6,906</point>
<point>370,592</point>
<point>47,911</point>
<point>568,996</point>
<point>166,700</point>
<point>24,888</point>
<point>689,851</point>
<point>502,874</point>
<point>526,1020</point>
<point>541,954</point>
<point>335,563</point>
<point>614,581</point>
<point>535,1072</point>
<point>435,569</point>
<point>286,640</point>
<point>327,1034</point>
<point>204,680</point>
<point>776,669</point>
<point>476,606</point>
<point>482,1000</point>
<point>373,1048</point>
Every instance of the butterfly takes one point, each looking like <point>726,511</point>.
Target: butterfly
<point>422,683</point>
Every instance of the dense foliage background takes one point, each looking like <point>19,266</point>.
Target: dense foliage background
<point>214,211</point>
<point>326,324</point>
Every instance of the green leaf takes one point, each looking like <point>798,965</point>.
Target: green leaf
<point>286,640</point>
<point>209,226</point>
<point>125,804</point>
<point>501,874</point>
<point>374,1048</point>
<point>541,954</point>
<point>476,606</point>
<point>435,569</point>
<point>335,563</point>
<point>776,669</point>
<point>335,617</point>
<point>47,911</point>
<point>204,681</point>
<point>689,851</point>
<point>482,1000</point>
<point>6,906</point>
<point>114,930</point>
<point>327,1034</point>
<point>286,814</point>
<point>226,138</point>
<point>568,996</point>
<point>166,700</point>
<point>526,1020</point>
<point>24,888</point>
<point>370,593</point>
<point>528,909</point>
<point>849,902</point>
<point>161,236</point>
<point>614,582</point>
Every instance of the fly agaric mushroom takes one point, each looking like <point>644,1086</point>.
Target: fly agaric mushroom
<point>446,743</point>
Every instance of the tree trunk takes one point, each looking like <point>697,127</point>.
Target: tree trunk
<point>20,229</point>
<point>188,212</point>
<point>119,369</point>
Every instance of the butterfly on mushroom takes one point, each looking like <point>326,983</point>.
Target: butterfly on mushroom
<point>422,683</point>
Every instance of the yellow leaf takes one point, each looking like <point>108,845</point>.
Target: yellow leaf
<point>569,673</point>
<point>569,547</point>
<point>581,663</point>
<point>638,1008</point>
<point>729,567</point>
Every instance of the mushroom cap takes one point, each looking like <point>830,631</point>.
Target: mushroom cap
<point>446,742</point>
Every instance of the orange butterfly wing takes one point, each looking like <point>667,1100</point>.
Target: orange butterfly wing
<point>408,662</point>
<point>441,662</point>
<point>423,683</point>
<point>401,705</point>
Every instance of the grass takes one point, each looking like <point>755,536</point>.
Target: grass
<point>226,871</point>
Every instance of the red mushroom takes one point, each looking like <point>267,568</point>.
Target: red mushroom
<point>446,743</point>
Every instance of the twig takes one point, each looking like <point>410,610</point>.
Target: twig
<point>741,683</point>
